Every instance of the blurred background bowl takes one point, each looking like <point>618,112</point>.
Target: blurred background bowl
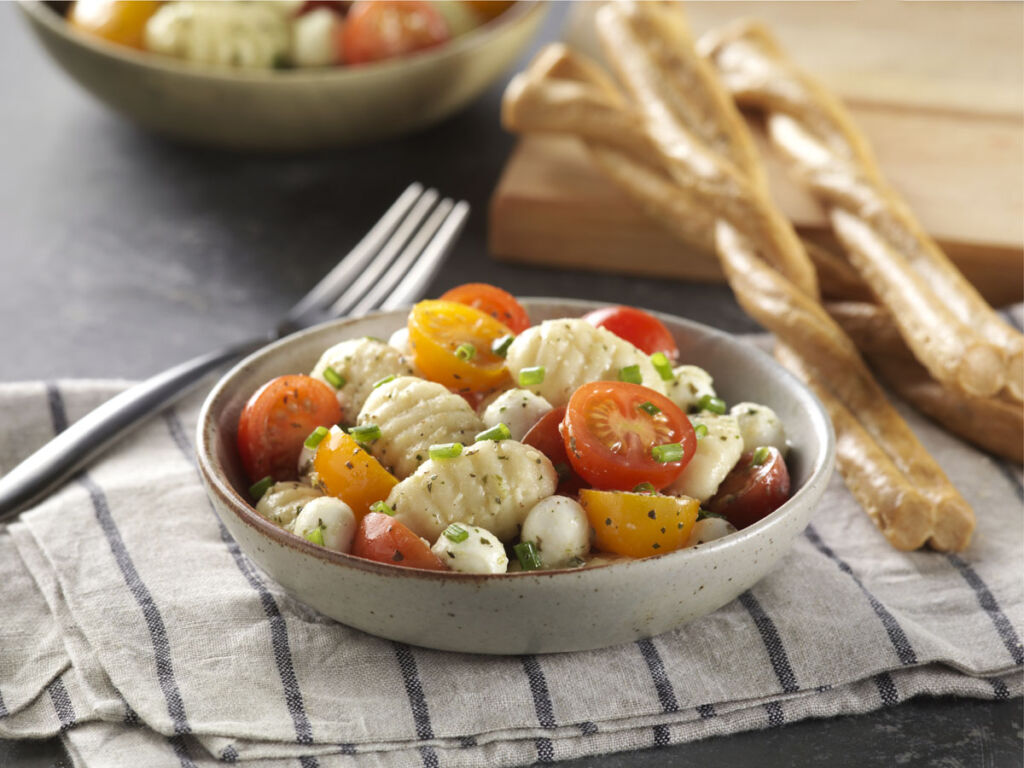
<point>287,109</point>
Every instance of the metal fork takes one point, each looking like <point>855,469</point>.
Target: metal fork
<point>390,267</point>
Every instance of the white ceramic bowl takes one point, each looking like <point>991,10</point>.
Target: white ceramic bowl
<point>522,612</point>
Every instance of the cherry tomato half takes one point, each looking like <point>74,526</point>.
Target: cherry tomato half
<point>277,420</point>
<point>437,331</point>
<point>546,437</point>
<point>639,524</point>
<point>641,329</point>
<point>382,538</point>
<point>383,29</point>
<point>752,490</point>
<point>610,431</point>
<point>350,473</point>
<point>119,21</point>
<point>499,304</point>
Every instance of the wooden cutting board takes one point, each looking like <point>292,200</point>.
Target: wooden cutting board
<point>938,88</point>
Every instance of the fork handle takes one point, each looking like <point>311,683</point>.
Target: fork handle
<point>94,432</point>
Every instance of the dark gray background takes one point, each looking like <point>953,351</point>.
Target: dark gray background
<point>121,254</point>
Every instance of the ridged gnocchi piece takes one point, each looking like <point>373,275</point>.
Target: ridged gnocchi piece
<point>689,384</point>
<point>283,501</point>
<point>716,455</point>
<point>574,352</point>
<point>414,414</point>
<point>361,363</point>
<point>759,426</point>
<point>492,484</point>
<point>518,409</point>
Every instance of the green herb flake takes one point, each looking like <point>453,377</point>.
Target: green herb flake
<point>260,487</point>
<point>529,557</point>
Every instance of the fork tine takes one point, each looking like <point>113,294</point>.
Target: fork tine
<point>352,264</point>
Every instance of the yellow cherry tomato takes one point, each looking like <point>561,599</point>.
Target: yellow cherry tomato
<point>347,471</point>
<point>451,344</point>
<point>639,524</point>
<point>118,21</point>
<point>489,9</point>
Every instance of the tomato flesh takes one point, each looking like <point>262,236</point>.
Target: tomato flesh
<point>752,491</point>
<point>384,29</point>
<point>382,538</point>
<point>546,437</point>
<point>437,329</point>
<point>347,471</point>
<point>277,420</point>
<point>499,304</point>
<point>639,524</point>
<point>609,438</point>
<point>641,329</point>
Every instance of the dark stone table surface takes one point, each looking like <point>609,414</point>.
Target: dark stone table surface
<point>121,253</point>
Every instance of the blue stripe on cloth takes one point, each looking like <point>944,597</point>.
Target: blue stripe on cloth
<point>1011,475</point>
<point>545,750</point>
<point>541,704</point>
<point>587,728</point>
<point>180,749</point>
<point>308,761</point>
<point>999,689</point>
<point>988,602</point>
<point>887,689</point>
<point>656,667</point>
<point>772,642</point>
<point>776,716</point>
<point>62,704</point>
<point>229,754</point>
<point>706,711</point>
<point>3,709</point>
<point>278,626</point>
<point>417,701</point>
<point>662,736</point>
<point>58,414</point>
<point>900,642</point>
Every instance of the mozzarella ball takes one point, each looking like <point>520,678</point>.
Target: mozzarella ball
<point>709,529</point>
<point>759,426</point>
<point>315,39</point>
<point>559,529</point>
<point>518,409</point>
<point>716,455</point>
<point>333,517</point>
<point>361,363</point>
<point>689,384</point>
<point>283,501</point>
<point>479,552</point>
<point>400,341</point>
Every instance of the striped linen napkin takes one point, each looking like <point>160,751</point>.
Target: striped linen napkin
<point>135,629</point>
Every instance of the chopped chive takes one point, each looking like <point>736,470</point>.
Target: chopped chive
<point>577,562</point>
<point>667,452</point>
<point>366,433</point>
<point>704,514</point>
<point>499,347</point>
<point>644,488</point>
<point>445,450</point>
<point>334,378</point>
<point>465,351</point>
<point>712,403</point>
<point>257,489</point>
<point>499,431</point>
<point>531,377</point>
<point>316,536</point>
<point>662,365</point>
<point>385,380</point>
<point>701,430</point>
<point>315,437</point>
<point>382,507</point>
<point>456,533</point>
<point>761,455</point>
<point>528,556</point>
<point>631,374</point>
<point>649,408</point>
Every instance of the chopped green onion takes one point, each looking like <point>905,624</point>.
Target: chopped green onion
<point>701,430</point>
<point>644,488</point>
<point>366,433</point>
<point>704,514</point>
<point>499,347</point>
<point>334,378</point>
<point>316,536</point>
<point>631,374</point>
<point>761,455</point>
<point>382,507</point>
<point>499,431</point>
<point>712,403</point>
<point>445,450</point>
<point>531,377</point>
<point>667,452</point>
<point>649,408</point>
<point>257,489</point>
<point>528,556</point>
<point>315,437</point>
<point>577,562</point>
<point>465,351</point>
<point>663,366</point>
<point>456,533</point>
<point>385,380</point>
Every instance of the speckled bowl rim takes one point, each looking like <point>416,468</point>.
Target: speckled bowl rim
<point>477,37</point>
<point>218,484</point>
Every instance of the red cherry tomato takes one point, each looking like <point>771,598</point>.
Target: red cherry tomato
<point>752,490</point>
<point>277,420</point>
<point>610,431</point>
<point>382,538</point>
<point>546,437</point>
<point>641,329</point>
<point>383,29</point>
<point>499,304</point>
